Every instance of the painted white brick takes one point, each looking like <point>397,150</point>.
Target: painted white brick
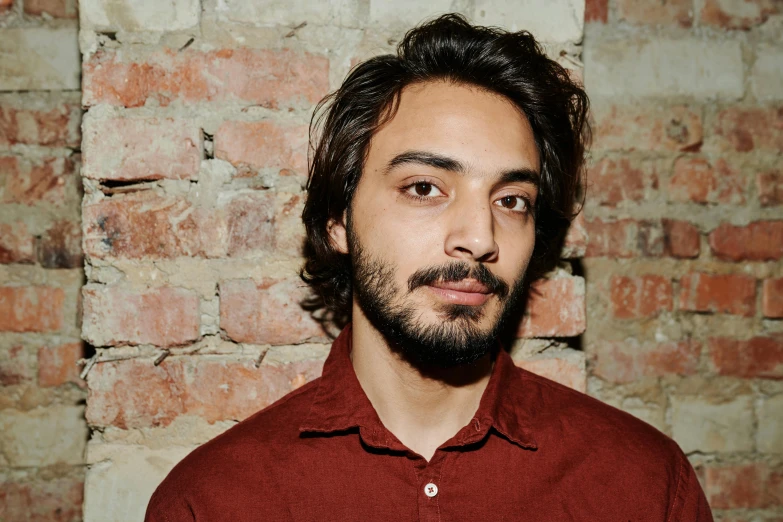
<point>121,479</point>
<point>347,13</point>
<point>548,20</point>
<point>139,15</point>
<point>43,436</point>
<point>664,68</point>
<point>767,75</point>
<point>39,58</point>
<point>769,438</point>
<point>701,425</point>
<point>406,14</point>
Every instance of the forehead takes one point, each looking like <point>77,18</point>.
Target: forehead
<point>479,128</point>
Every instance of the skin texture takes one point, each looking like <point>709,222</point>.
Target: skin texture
<point>414,216</point>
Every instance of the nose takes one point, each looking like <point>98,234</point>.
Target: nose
<point>471,230</point>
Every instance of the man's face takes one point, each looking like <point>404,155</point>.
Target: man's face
<point>441,227</point>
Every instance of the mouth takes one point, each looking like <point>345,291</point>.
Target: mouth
<point>467,292</point>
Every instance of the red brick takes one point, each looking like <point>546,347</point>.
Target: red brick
<point>162,316</point>
<point>738,15</point>
<point>744,129</point>
<point>576,238</point>
<point>555,308</point>
<point>696,180</point>
<point>135,149</point>
<point>736,486</point>
<point>289,229</point>
<point>624,238</point>
<point>772,298</point>
<point>31,308</point>
<point>758,357</point>
<point>668,129</point>
<point>759,241</point>
<point>596,10</point>
<point>563,370</point>
<point>15,366</point>
<point>56,127</point>
<point>637,297</point>
<point>17,245</point>
<point>769,186</point>
<point>61,245</point>
<point>266,312</point>
<point>135,393</point>
<point>680,239</point>
<point>57,364</point>
<point>263,144</point>
<point>250,224</point>
<point>28,183</point>
<point>669,12</point>
<point>622,362</point>
<point>729,293</point>
<point>269,78</point>
<point>612,181</point>
<point>54,8</point>
<point>40,500</point>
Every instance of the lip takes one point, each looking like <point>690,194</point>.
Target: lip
<point>466,292</point>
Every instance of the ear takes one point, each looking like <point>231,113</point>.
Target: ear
<point>338,235</point>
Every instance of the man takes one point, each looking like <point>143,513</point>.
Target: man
<point>443,182</point>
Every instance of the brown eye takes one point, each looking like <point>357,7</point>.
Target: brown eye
<point>423,189</point>
<point>509,201</point>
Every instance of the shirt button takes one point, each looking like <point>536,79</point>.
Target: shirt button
<point>430,490</point>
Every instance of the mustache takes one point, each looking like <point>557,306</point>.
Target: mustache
<point>457,271</point>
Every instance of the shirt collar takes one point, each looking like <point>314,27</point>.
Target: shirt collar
<point>340,404</point>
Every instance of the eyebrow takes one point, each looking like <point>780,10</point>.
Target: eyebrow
<point>429,159</point>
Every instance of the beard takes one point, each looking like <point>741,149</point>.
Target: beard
<point>457,339</point>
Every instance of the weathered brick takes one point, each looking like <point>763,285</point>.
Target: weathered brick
<point>132,15</point>
<point>61,245</point>
<point>57,364</point>
<point>758,241</point>
<point>624,238</point>
<point>696,180</point>
<point>766,77</point>
<point>737,15</point>
<point>638,297</point>
<point>757,357</point>
<point>6,5</point>
<point>162,316</point>
<point>554,20</point>
<point>663,67</point>
<point>612,181</point>
<point>271,78</point>
<point>31,308</point>
<point>680,239</point>
<point>289,229</point>
<point>43,436</point>
<point>17,245</point>
<point>16,365</point>
<point>136,149</point>
<point>736,486</point>
<point>744,129</point>
<point>727,293</point>
<point>769,437</point>
<point>705,425</point>
<point>35,181</point>
<point>772,298</point>
<point>266,312</point>
<point>56,126</point>
<point>262,144</point>
<point>39,58</point>
<point>54,8</point>
<point>647,127</point>
<point>670,12</point>
<point>136,393</point>
<point>291,14</point>
<point>627,361</point>
<point>42,500</point>
<point>769,186</point>
<point>250,222</point>
<point>596,10</point>
<point>555,308</point>
<point>564,366</point>
<point>576,238</point>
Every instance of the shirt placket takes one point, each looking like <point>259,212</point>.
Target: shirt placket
<point>430,485</point>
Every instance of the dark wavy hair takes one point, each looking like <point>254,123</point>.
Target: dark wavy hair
<point>447,49</point>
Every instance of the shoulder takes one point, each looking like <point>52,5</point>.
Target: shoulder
<point>238,458</point>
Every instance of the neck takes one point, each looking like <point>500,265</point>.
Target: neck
<point>422,409</point>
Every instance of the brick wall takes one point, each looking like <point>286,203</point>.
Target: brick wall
<point>684,272</point>
<point>195,157</point>
<point>42,428</point>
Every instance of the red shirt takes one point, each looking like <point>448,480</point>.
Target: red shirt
<point>535,450</point>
